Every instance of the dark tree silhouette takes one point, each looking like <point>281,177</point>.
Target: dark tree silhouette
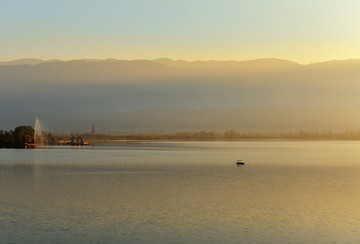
<point>19,137</point>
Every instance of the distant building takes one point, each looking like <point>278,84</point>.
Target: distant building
<point>93,129</point>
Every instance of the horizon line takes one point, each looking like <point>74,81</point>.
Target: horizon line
<point>173,60</point>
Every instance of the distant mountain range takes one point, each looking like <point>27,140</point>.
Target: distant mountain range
<point>168,95</point>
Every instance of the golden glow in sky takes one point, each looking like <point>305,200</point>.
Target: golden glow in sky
<point>300,30</point>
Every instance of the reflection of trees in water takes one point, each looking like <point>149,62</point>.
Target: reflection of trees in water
<point>25,175</point>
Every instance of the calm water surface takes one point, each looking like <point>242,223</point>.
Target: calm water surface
<point>182,192</point>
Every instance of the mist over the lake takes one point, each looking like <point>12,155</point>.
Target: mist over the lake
<point>166,95</point>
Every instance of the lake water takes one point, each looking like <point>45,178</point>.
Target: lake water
<point>182,192</point>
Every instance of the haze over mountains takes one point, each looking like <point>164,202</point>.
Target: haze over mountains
<point>166,95</point>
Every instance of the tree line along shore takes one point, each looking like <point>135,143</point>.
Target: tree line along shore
<point>23,136</point>
<point>227,135</point>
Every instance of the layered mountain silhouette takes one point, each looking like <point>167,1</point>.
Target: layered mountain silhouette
<point>168,95</point>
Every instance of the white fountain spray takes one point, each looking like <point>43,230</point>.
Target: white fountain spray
<point>37,131</point>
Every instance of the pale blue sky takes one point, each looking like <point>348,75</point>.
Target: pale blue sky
<point>300,30</point>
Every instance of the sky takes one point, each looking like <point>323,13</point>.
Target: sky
<point>304,31</point>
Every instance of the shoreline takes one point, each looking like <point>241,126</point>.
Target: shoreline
<point>219,140</point>
<point>94,142</point>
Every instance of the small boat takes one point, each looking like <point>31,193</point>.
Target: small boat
<point>240,162</point>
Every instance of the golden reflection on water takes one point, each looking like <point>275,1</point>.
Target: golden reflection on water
<point>193,193</point>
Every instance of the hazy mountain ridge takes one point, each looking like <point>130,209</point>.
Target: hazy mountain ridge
<point>91,88</point>
<point>171,62</point>
<point>195,63</point>
<point>162,67</point>
<point>113,70</point>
